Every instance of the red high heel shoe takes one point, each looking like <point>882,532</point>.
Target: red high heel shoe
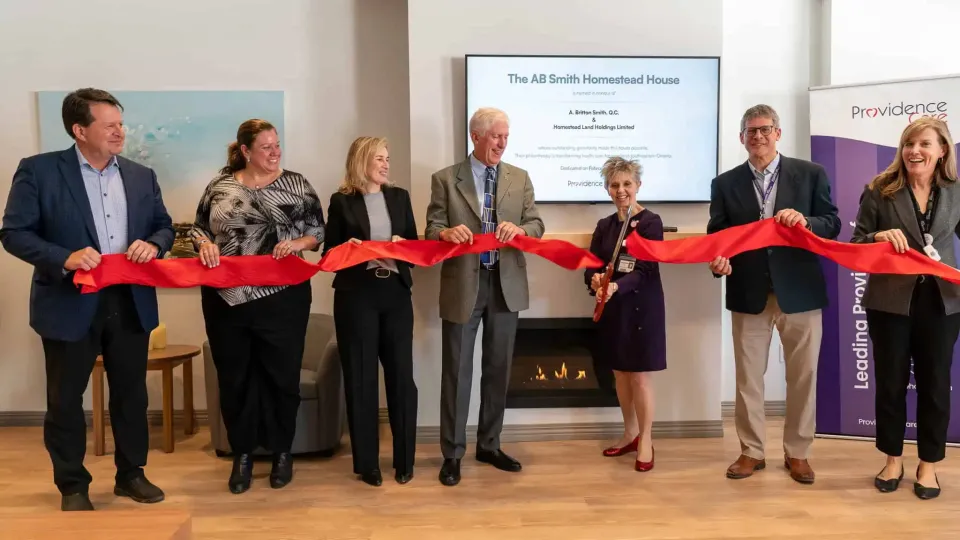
<point>644,466</point>
<point>613,451</point>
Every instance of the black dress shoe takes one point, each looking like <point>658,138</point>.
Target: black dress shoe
<point>926,493</point>
<point>374,478</point>
<point>282,472</point>
<point>139,489</point>
<point>75,502</point>
<point>450,472</point>
<point>403,477</point>
<point>499,460</point>
<point>889,485</point>
<point>242,473</point>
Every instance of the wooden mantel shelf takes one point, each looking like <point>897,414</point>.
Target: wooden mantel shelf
<point>583,239</point>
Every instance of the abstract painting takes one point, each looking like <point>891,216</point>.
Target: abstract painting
<point>182,135</point>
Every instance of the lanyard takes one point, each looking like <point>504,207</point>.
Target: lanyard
<point>764,194</point>
<point>925,219</point>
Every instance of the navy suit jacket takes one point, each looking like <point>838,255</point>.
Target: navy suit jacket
<point>795,274</point>
<point>48,217</point>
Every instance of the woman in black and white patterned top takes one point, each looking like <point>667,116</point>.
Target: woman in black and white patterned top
<point>256,334</point>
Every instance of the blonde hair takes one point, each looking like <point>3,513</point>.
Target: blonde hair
<point>359,156</point>
<point>618,165</point>
<point>894,178</point>
<point>485,118</point>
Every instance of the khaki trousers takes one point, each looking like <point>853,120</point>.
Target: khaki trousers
<point>800,334</point>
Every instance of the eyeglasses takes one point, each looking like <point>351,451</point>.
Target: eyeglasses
<point>764,130</point>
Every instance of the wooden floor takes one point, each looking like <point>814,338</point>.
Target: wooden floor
<point>567,490</point>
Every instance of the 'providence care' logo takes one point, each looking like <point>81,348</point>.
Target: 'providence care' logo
<point>936,109</point>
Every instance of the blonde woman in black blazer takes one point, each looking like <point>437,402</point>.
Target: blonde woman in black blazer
<point>914,204</point>
<point>373,310</point>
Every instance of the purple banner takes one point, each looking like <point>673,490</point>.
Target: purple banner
<point>845,383</point>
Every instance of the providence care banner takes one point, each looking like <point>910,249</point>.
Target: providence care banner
<point>855,131</point>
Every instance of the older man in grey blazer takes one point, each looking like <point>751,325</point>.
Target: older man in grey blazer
<point>480,195</point>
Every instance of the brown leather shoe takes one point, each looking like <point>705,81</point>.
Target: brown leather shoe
<point>744,467</point>
<point>800,470</point>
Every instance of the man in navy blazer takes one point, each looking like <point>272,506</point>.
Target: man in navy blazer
<point>64,210</point>
<point>781,286</point>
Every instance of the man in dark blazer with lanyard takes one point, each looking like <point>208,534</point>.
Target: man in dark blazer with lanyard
<point>782,287</point>
<point>65,209</point>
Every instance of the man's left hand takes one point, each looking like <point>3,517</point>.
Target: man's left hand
<point>790,217</point>
<point>506,231</point>
<point>141,252</point>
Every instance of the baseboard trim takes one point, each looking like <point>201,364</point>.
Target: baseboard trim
<point>431,434</point>
<point>592,431</point>
<point>35,418</point>
<point>771,408</point>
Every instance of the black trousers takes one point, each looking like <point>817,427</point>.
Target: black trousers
<point>376,321</point>
<point>257,348</point>
<point>928,337</point>
<point>117,334</point>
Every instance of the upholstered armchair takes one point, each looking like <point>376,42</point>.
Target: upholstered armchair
<point>321,420</point>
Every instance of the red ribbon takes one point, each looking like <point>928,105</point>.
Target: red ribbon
<point>264,270</point>
<point>875,258</point>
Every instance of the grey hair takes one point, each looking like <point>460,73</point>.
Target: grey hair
<point>618,165</point>
<point>760,111</point>
<point>485,118</point>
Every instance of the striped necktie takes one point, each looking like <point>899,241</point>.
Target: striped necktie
<point>488,215</point>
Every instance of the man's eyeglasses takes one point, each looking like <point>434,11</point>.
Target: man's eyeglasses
<point>764,130</point>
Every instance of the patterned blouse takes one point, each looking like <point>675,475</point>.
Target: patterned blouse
<point>247,221</point>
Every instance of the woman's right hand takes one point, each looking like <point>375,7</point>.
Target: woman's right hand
<point>209,254</point>
<point>595,281</point>
<point>895,237</point>
<point>354,241</point>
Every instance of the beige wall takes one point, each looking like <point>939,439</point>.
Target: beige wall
<point>342,64</point>
<point>441,32</point>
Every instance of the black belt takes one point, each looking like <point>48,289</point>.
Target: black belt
<point>381,272</point>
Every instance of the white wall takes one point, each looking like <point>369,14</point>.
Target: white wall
<point>342,64</point>
<point>769,56</point>
<point>347,70</point>
<point>878,40</point>
<point>440,33</point>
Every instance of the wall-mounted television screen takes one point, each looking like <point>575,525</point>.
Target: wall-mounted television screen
<point>568,114</point>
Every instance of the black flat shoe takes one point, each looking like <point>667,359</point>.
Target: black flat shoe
<point>403,477</point>
<point>450,472</point>
<point>374,478</point>
<point>241,475</point>
<point>890,485</point>
<point>282,472</point>
<point>76,502</point>
<point>926,493</point>
<point>139,489</point>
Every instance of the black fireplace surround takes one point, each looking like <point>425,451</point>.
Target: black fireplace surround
<point>554,366</point>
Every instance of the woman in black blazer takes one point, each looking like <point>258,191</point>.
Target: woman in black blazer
<point>373,310</point>
<point>913,321</point>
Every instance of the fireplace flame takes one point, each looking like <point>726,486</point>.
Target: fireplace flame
<point>563,372</point>
<point>559,375</point>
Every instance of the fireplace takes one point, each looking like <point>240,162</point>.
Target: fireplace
<point>554,366</point>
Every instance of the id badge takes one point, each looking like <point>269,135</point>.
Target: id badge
<point>626,263</point>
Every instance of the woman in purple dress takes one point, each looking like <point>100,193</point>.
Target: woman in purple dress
<point>631,333</point>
